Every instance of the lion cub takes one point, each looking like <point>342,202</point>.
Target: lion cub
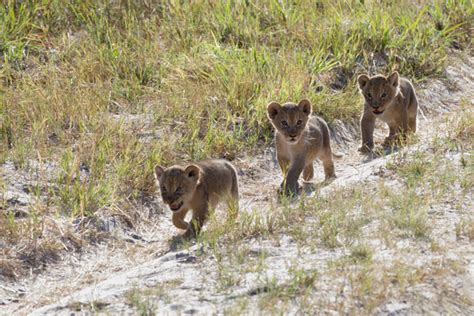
<point>300,139</point>
<point>198,187</point>
<point>391,99</point>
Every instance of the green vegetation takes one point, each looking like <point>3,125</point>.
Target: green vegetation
<point>143,306</point>
<point>142,298</point>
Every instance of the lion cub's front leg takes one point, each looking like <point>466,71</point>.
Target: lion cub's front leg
<point>290,183</point>
<point>200,214</point>
<point>392,137</point>
<point>178,219</point>
<point>283,162</point>
<point>285,187</point>
<point>398,131</point>
<point>367,125</point>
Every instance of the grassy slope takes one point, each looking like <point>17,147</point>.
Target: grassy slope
<point>403,238</point>
<point>85,82</point>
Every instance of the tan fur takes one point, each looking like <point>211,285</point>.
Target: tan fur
<point>391,99</point>
<point>300,139</point>
<point>198,187</point>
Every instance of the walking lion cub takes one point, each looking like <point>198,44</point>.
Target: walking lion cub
<point>300,139</point>
<point>391,99</point>
<point>198,187</point>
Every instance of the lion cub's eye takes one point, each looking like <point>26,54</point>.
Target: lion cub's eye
<point>369,95</point>
<point>163,189</point>
<point>284,123</point>
<point>299,122</point>
<point>179,190</point>
<point>384,95</point>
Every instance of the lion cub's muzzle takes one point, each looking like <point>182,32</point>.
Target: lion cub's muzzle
<point>292,137</point>
<point>377,107</point>
<point>175,206</point>
<point>378,111</point>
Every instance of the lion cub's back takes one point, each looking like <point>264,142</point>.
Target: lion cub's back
<point>318,129</point>
<point>218,175</point>
<point>408,92</point>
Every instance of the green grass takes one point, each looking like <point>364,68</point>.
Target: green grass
<point>143,299</point>
<point>106,89</point>
<point>137,299</point>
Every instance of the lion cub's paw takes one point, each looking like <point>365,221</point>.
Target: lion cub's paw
<point>330,179</point>
<point>364,149</point>
<point>189,233</point>
<point>288,191</point>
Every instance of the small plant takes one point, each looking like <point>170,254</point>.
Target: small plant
<point>361,253</point>
<point>465,228</point>
<point>299,284</point>
<point>140,302</point>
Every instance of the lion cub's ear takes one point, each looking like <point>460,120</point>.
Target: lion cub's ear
<point>273,108</point>
<point>393,79</point>
<point>158,171</point>
<point>192,171</point>
<point>363,80</point>
<point>305,107</point>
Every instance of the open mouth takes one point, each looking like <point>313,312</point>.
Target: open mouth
<point>174,207</point>
<point>378,111</point>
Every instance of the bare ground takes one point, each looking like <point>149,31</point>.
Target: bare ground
<point>140,269</point>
